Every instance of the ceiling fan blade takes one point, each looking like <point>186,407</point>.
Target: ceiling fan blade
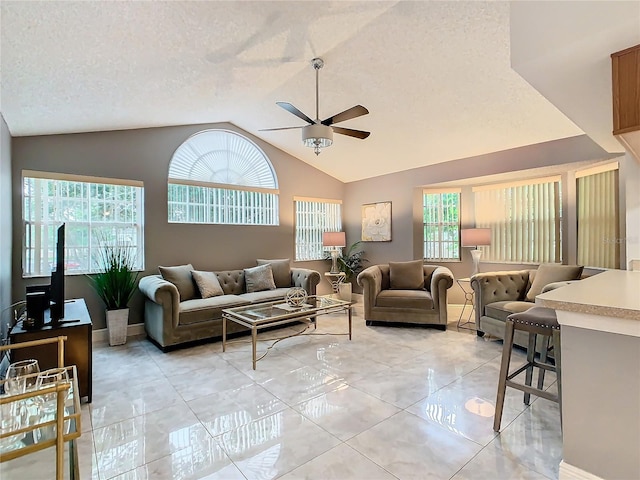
<point>351,133</point>
<point>291,109</point>
<point>348,114</point>
<point>281,128</point>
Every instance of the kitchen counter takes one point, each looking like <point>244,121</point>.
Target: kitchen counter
<point>600,335</point>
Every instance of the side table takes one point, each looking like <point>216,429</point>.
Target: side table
<point>335,279</point>
<point>465,286</point>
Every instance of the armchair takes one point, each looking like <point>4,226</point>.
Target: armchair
<point>425,305</point>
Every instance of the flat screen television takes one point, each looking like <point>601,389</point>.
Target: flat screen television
<point>57,279</point>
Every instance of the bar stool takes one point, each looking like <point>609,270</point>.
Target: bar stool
<point>535,321</point>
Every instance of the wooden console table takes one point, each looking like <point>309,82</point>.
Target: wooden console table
<point>76,326</point>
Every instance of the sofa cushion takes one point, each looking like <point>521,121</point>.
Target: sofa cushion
<point>406,275</point>
<point>207,283</point>
<point>265,295</point>
<point>259,278</point>
<point>281,269</point>
<point>405,299</point>
<point>551,272</point>
<point>501,310</point>
<point>206,309</point>
<point>181,277</point>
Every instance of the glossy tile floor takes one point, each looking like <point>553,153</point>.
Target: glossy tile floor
<point>393,403</point>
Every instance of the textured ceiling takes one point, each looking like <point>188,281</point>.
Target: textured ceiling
<point>436,76</point>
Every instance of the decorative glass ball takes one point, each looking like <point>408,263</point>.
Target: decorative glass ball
<point>296,296</point>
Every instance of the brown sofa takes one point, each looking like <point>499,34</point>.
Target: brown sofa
<point>499,294</point>
<point>170,321</point>
<point>427,305</point>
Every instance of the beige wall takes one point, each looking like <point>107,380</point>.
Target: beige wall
<point>145,155</point>
<point>404,189</point>
<point>5,227</point>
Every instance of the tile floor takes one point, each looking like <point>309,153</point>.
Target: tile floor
<point>393,403</point>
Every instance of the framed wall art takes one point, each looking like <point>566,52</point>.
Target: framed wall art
<point>376,222</point>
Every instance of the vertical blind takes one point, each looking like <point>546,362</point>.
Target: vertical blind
<point>598,225</point>
<point>313,218</point>
<point>524,219</point>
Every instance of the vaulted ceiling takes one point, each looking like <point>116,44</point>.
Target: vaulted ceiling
<point>442,80</point>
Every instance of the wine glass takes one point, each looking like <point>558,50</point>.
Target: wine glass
<point>20,376</point>
<point>48,403</point>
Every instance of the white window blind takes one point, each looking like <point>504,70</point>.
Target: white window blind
<point>220,176</point>
<point>313,218</point>
<point>598,224</point>
<point>441,225</point>
<point>524,219</point>
<point>96,211</point>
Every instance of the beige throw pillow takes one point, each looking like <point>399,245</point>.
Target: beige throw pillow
<point>180,276</point>
<point>281,271</point>
<point>406,275</point>
<point>207,283</point>
<point>549,273</point>
<point>259,278</point>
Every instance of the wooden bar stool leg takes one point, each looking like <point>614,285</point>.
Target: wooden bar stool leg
<point>543,359</point>
<point>531,354</point>
<point>557,355</point>
<point>504,372</point>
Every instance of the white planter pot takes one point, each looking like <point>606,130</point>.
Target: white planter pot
<point>344,291</point>
<point>117,321</point>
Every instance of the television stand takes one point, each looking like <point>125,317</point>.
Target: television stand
<point>77,327</point>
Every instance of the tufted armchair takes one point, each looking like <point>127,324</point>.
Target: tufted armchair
<point>499,294</point>
<point>427,305</point>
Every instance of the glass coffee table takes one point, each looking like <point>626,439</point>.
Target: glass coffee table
<point>271,314</point>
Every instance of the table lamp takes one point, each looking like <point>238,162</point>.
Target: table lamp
<point>334,241</point>
<point>475,237</point>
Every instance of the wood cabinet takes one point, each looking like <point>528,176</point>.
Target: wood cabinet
<point>625,69</point>
<point>626,90</point>
<point>76,326</point>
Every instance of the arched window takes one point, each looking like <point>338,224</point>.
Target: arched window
<point>219,176</point>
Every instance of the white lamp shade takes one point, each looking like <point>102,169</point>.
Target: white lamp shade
<point>334,239</point>
<point>473,237</point>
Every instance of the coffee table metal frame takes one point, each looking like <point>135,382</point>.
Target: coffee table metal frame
<point>264,315</point>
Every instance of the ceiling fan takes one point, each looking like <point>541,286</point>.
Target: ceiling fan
<point>319,133</point>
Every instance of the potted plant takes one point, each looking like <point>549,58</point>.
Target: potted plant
<point>115,283</point>
<point>351,263</point>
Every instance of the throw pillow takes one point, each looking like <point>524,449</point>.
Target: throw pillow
<point>281,271</point>
<point>552,272</point>
<point>207,283</point>
<point>180,276</point>
<point>259,278</point>
<point>406,275</point>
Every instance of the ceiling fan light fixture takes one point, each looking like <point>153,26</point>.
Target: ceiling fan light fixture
<point>317,136</point>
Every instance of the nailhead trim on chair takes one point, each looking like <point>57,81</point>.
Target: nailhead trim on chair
<point>533,317</point>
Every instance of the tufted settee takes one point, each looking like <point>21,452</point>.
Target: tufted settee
<point>426,305</point>
<point>499,294</point>
<point>170,321</point>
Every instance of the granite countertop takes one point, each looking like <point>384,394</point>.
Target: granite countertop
<point>613,293</point>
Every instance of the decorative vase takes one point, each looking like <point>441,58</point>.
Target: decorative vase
<point>344,291</point>
<point>117,321</point>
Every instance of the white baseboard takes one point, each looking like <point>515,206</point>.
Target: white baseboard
<point>569,472</point>
<point>102,336</point>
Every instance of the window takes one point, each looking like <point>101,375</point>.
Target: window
<point>441,230</point>
<point>313,218</point>
<point>96,211</point>
<point>219,176</point>
<point>598,225</point>
<point>524,219</point>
